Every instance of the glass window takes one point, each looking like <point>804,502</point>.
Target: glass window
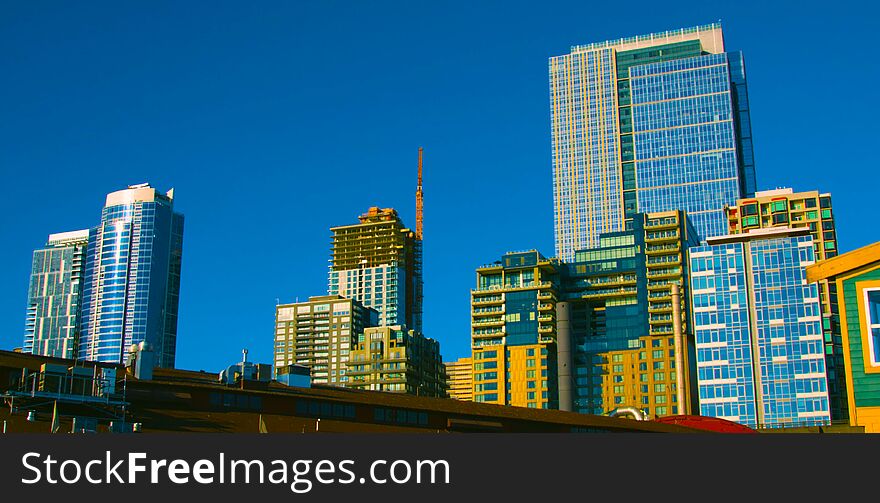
<point>872,306</point>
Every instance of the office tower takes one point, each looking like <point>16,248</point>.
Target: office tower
<point>856,277</point>
<point>132,279</point>
<point>55,295</point>
<point>758,328</point>
<point>320,334</point>
<point>812,210</point>
<point>378,262</point>
<point>619,297</point>
<point>513,331</point>
<point>652,123</point>
<point>459,379</point>
<point>397,359</point>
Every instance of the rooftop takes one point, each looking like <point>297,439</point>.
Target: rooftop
<point>709,34</point>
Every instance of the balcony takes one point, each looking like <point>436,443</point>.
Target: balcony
<point>671,272</point>
<point>488,300</point>
<point>622,280</point>
<point>610,292</point>
<point>546,317</point>
<point>487,312</point>
<point>531,285</point>
<point>545,307</point>
<point>665,307</point>
<point>662,223</point>
<point>488,323</point>
<point>662,237</point>
<point>545,329</point>
<point>664,249</point>
<point>546,295</point>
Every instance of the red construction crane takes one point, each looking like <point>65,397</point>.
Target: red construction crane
<point>419,201</point>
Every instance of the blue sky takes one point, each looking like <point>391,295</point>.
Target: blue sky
<point>275,120</point>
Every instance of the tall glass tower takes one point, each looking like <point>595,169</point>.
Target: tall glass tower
<point>645,124</point>
<point>54,296</point>
<point>758,329</point>
<point>132,280</point>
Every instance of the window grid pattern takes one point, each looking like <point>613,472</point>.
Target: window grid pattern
<point>757,323</point>
<point>587,186</point>
<point>685,140</point>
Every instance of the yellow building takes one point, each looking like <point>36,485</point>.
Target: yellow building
<point>513,331</point>
<point>856,276</point>
<point>459,379</point>
<point>393,358</point>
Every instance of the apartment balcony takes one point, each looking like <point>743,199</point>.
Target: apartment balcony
<point>660,319</point>
<point>660,308</point>
<point>662,237</point>
<point>659,285</point>
<point>664,273</point>
<point>659,296</point>
<point>665,329</point>
<point>668,260</point>
<point>664,223</point>
<point>488,300</point>
<point>615,292</point>
<point>546,317</point>
<point>545,307</point>
<point>662,249</point>
<point>488,312</point>
<point>543,329</point>
<point>546,340</point>
<point>488,323</point>
<point>532,285</point>
<point>488,334</point>
<point>546,295</point>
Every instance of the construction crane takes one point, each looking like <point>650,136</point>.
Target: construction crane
<point>419,201</point>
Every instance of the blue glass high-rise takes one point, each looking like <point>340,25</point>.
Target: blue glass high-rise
<point>653,123</point>
<point>54,305</point>
<point>758,329</point>
<point>132,279</point>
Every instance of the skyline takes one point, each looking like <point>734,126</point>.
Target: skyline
<point>447,162</point>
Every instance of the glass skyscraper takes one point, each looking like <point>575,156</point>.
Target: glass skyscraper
<point>54,296</point>
<point>653,123</point>
<point>132,280</point>
<point>758,329</point>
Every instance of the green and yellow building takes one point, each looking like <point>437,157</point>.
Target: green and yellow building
<point>856,276</point>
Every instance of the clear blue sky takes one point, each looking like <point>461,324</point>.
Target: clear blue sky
<point>275,120</point>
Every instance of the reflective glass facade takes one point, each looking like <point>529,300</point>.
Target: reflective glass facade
<point>54,296</point>
<point>685,139</point>
<point>648,124</point>
<point>623,351</point>
<point>757,323</point>
<point>132,278</point>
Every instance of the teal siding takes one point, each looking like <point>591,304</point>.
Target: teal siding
<point>866,387</point>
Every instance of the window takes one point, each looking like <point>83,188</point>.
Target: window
<point>872,308</point>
